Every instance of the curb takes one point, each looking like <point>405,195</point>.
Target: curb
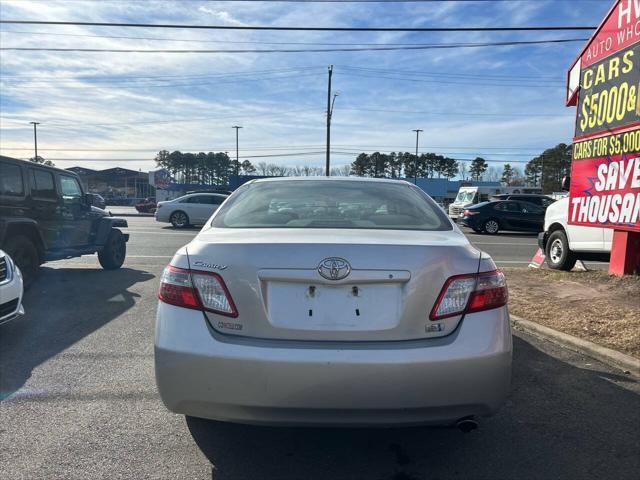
<point>131,214</point>
<point>606,355</point>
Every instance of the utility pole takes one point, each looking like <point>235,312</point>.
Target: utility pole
<point>415,170</point>
<point>237,162</point>
<point>327,169</point>
<point>35,137</point>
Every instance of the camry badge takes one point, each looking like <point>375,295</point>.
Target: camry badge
<point>214,266</point>
<point>334,268</point>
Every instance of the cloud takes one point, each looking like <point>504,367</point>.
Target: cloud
<point>157,101</point>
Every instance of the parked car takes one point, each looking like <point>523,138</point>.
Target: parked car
<point>326,301</point>
<point>491,217</point>
<point>148,205</point>
<point>192,209</point>
<point>469,195</point>
<point>541,200</point>
<point>45,215</point>
<point>565,244</point>
<point>10,289</point>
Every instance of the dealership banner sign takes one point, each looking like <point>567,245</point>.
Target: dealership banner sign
<point>604,83</point>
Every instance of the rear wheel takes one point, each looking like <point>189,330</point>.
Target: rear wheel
<point>179,219</point>
<point>25,255</point>
<point>114,251</point>
<point>559,256</point>
<point>491,226</point>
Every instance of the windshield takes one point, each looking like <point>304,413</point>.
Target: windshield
<point>340,204</point>
<point>465,196</point>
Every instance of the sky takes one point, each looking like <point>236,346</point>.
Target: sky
<point>101,110</point>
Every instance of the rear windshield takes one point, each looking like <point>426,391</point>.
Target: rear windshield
<point>339,204</point>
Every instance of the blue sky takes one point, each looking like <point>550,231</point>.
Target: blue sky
<point>503,103</point>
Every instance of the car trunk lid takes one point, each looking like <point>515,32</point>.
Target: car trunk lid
<point>333,285</point>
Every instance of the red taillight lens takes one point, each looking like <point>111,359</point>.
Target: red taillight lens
<point>197,290</point>
<point>468,213</point>
<point>470,293</point>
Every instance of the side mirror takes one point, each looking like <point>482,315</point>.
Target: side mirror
<point>566,183</point>
<point>89,199</point>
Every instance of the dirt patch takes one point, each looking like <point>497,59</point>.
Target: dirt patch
<point>590,305</point>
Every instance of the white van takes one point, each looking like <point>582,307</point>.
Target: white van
<point>468,196</point>
<point>565,244</point>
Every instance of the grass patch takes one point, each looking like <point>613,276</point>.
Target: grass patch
<point>591,305</point>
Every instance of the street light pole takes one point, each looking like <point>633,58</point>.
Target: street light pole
<point>237,127</point>
<point>415,169</point>
<point>327,169</point>
<point>35,137</point>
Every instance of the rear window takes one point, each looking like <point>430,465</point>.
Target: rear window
<point>11,181</point>
<point>42,185</point>
<point>339,204</point>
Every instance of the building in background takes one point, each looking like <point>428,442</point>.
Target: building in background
<point>118,186</point>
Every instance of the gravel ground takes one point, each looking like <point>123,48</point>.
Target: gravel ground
<point>591,305</point>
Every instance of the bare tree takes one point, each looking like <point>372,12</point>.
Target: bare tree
<point>341,171</point>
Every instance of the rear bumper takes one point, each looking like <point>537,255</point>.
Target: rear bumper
<point>437,381</point>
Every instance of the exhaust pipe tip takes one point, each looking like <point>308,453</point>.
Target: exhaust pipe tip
<point>466,425</point>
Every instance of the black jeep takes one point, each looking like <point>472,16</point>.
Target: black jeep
<point>45,215</point>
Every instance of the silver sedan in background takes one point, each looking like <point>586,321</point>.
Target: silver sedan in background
<point>192,209</point>
<point>328,301</point>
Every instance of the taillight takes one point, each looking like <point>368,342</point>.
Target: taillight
<point>470,293</point>
<point>468,213</point>
<point>197,290</point>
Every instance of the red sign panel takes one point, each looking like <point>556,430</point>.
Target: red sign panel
<point>605,172</point>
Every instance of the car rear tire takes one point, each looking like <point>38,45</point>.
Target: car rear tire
<point>25,255</point>
<point>114,252</point>
<point>179,219</point>
<point>491,226</point>
<point>559,256</point>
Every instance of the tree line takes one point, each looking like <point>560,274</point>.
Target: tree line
<point>212,168</point>
<point>545,170</point>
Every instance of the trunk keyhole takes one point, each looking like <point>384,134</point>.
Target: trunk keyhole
<point>311,313</point>
<point>357,312</point>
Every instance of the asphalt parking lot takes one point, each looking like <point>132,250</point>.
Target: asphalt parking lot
<point>76,376</point>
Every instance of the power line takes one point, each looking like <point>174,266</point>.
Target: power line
<point>292,50</point>
<point>546,28</point>
<point>338,152</point>
<point>278,147</point>
<point>475,114</point>
<point>124,37</point>
<point>285,112</point>
<point>203,75</point>
<point>451,82</point>
<point>70,78</point>
<point>35,84</point>
<point>422,73</point>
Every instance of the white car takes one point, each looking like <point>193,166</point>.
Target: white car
<point>326,301</point>
<point>10,289</point>
<point>565,244</point>
<point>192,209</point>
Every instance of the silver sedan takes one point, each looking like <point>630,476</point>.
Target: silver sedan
<point>192,209</point>
<point>329,301</point>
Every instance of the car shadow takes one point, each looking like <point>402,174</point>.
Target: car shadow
<point>70,304</point>
<point>190,228</point>
<point>559,422</point>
